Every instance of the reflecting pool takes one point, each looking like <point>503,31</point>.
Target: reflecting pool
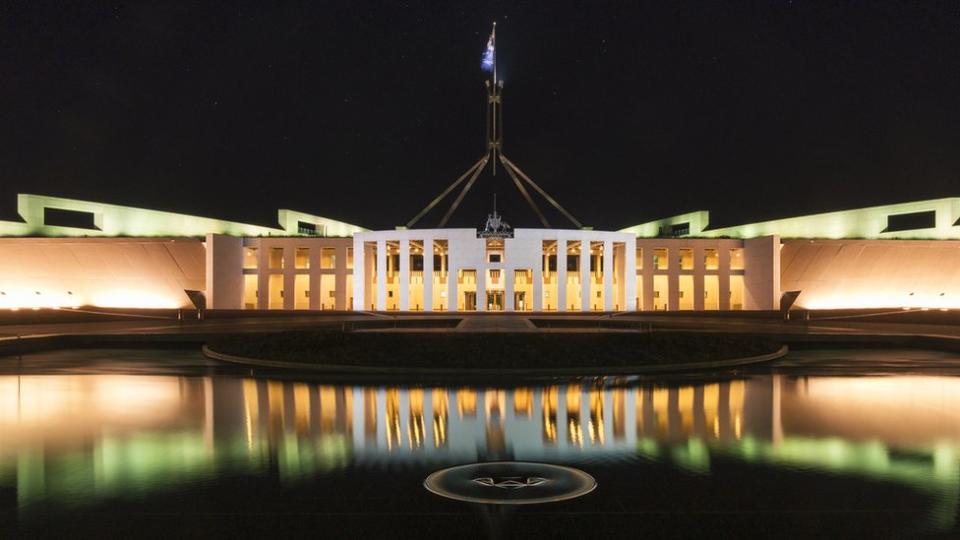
<point>797,449</point>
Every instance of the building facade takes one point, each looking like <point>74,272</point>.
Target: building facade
<point>68,253</point>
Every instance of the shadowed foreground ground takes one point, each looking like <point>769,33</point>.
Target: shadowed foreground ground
<point>494,350</point>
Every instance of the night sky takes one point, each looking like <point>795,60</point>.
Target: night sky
<point>363,111</point>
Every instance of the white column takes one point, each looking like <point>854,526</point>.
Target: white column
<point>381,275</point>
<point>451,288</point>
<point>585,274</point>
<point>629,275</point>
<point>607,275</point>
<point>538,287</point>
<point>481,289</point>
<point>428,274</point>
<point>508,274</point>
<point>561,275</point>
<point>404,287</point>
<point>359,264</point>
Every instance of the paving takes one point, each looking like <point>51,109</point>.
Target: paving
<point>18,337</point>
<point>496,323</point>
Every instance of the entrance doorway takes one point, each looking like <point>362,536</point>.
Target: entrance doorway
<point>494,300</point>
<point>470,301</point>
<point>520,301</point>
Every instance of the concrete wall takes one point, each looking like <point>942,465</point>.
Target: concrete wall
<point>761,275</point>
<point>105,272</point>
<point>872,273</point>
<point>224,262</point>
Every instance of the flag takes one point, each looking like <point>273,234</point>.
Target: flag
<point>486,63</point>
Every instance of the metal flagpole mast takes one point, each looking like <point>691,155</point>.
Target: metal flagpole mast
<point>494,152</point>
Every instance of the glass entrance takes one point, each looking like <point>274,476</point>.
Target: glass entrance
<point>494,300</point>
<point>520,301</point>
<point>470,301</point>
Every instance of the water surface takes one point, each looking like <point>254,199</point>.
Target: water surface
<point>852,443</point>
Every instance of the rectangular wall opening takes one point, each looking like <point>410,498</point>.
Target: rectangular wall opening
<point>661,293</point>
<point>250,284</point>
<point>711,292</point>
<point>276,291</point>
<point>685,293</point>
<point>551,287</point>
<point>415,301</point>
<point>660,261</point>
<point>440,261</point>
<point>523,290</point>
<point>736,259</point>
<point>301,291</point>
<point>911,221</point>
<point>328,291</point>
<point>59,217</point>
<point>736,293</point>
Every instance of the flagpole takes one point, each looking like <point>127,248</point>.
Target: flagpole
<point>494,54</point>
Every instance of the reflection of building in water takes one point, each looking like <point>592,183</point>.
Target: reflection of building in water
<point>132,432</point>
<point>574,431</point>
<point>551,400</point>
<point>416,427</point>
<point>439,404</point>
<point>466,402</point>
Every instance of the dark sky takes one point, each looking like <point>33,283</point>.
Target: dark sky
<point>363,111</point>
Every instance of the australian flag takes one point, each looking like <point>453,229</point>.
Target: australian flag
<point>486,63</point>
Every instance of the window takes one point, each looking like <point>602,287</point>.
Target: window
<point>301,287</point>
<point>573,263</point>
<point>250,293</point>
<point>686,259</point>
<point>328,258</point>
<point>909,222</point>
<point>736,292</point>
<point>59,217</point>
<point>250,258</point>
<point>711,260</point>
<point>302,259</point>
<point>736,259</point>
<point>685,292</point>
<point>660,261</point>
<point>349,258</point>
<point>494,258</point>
<point>276,258</point>
<point>309,229</point>
<point>276,292</point>
<point>639,258</point>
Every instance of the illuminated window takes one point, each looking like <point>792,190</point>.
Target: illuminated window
<point>250,293</point>
<point>276,258</point>
<point>302,259</point>
<point>250,258</point>
<point>276,292</point>
<point>711,259</point>
<point>349,258</point>
<point>328,257</point>
<point>736,292</point>
<point>736,259</point>
<point>660,261</point>
<point>711,292</point>
<point>661,292</point>
<point>685,292</point>
<point>301,288</point>
<point>639,258</point>
<point>686,259</point>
